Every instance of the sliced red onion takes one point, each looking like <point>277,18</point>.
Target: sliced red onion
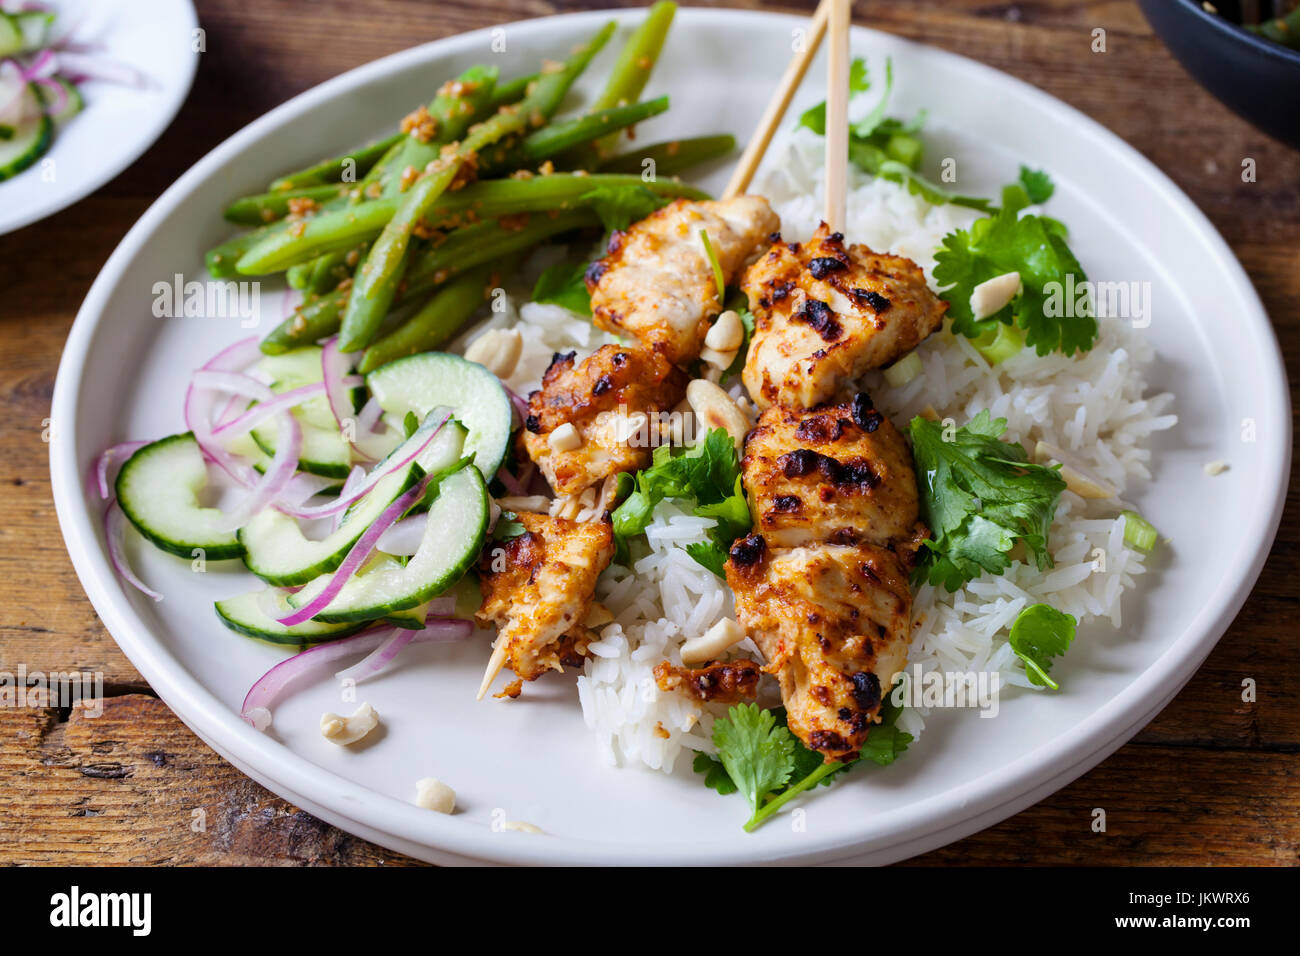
<point>444,606</point>
<point>11,78</point>
<point>378,660</point>
<point>335,366</point>
<point>198,404</point>
<point>301,488</point>
<point>277,476</point>
<point>101,68</point>
<point>403,538</point>
<point>267,409</point>
<point>510,481</point>
<point>42,67</point>
<point>355,477</point>
<point>235,383</point>
<point>114,532</point>
<point>120,452</point>
<point>520,404</point>
<point>358,554</point>
<point>377,474</point>
<point>56,90</point>
<point>266,691</point>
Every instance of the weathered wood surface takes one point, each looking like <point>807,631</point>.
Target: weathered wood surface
<point>1210,780</point>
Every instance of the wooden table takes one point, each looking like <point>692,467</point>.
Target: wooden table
<point>1211,780</point>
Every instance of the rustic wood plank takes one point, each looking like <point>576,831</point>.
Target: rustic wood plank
<point>1211,779</point>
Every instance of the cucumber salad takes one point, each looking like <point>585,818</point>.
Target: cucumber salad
<point>42,69</point>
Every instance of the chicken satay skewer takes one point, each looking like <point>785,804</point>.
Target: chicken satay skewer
<point>837,116</point>
<point>780,102</point>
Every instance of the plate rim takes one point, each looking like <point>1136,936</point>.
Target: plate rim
<point>976,804</point>
<point>110,171</point>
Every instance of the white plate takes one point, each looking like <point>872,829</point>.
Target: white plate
<point>154,37</point>
<point>123,375</point>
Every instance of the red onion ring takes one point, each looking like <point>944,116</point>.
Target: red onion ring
<point>380,472</point>
<point>358,554</point>
<point>267,409</point>
<point>442,631</point>
<point>114,532</point>
<point>278,474</point>
<point>335,369</point>
<point>100,473</point>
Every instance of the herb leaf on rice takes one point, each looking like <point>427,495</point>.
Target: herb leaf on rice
<point>979,495</point>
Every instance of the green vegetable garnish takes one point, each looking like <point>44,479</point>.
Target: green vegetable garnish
<point>1033,246</point>
<point>979,495</point>
<point>709,473</point>
<point>718,282</point>
<point>507,527</point>
<point>620,206</point>
<point>564,284</point>
<point>1138,531</point>
<point>1039,634</point>
<point>759,756</point>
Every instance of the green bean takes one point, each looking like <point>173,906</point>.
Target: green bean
<point>312,321</point>
<point>363,316</point>
<point>670,158</point>
<point>336,231</point>
<point>512,91</point>
<point>268,207</point>
<point>1284,30</point>
<point>455,108</point>
<point>332,170</point>
<point>329,270</point>
<point>437,321</point>
<point>298,276</point>
<point>389,250</point>
<point>487,242</point>
<point>632,70</point>
<point>554,139</point>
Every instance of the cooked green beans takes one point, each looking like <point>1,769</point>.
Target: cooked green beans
<point>671,158</point>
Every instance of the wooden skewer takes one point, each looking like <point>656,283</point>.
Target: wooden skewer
<point>780,102</point>
<point>837,117</point>
<point>497,661</point>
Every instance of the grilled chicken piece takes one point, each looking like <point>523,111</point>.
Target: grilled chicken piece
<point>721,682</point>
<point>599,397</point>
<point>834,622</point>
<point>656,281</point>
<point>824,314</point>
<point>538,587</point>
<point>836,474</point>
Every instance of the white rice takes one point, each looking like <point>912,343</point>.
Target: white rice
<point>1093,405</point>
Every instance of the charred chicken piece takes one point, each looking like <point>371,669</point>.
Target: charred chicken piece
<point>656,282</point>
<point>538,587</point>
<point>837,474</point>
<point>834,623</point>
<point>583,424</point>
<point>825,313</point>
<point>724,682</point>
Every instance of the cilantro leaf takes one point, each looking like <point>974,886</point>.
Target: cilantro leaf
<point>979,496</point>
<point>1038,185</point>
<point>1036,248</point>
<point>859,82</point>
<point>620,206</point>
<point>708,473</point>
<point>564,284</point>
<point>757,753</point>
<point>715,775</point>
<point>1039,634</point>
<point>507,527</point>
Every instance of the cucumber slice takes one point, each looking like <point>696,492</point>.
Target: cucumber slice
<point>158,489</point>
<point>243,614</point>
<point>452,541</point>
<point>325,451</point>
<point>276,550</point>
<point>34,26</point>
<point>11,35</point>
<point>31,137</point>
<point>418,383</point>
<point>72,105</point>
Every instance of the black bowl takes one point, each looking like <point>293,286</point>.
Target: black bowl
<point>1255,77</point>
